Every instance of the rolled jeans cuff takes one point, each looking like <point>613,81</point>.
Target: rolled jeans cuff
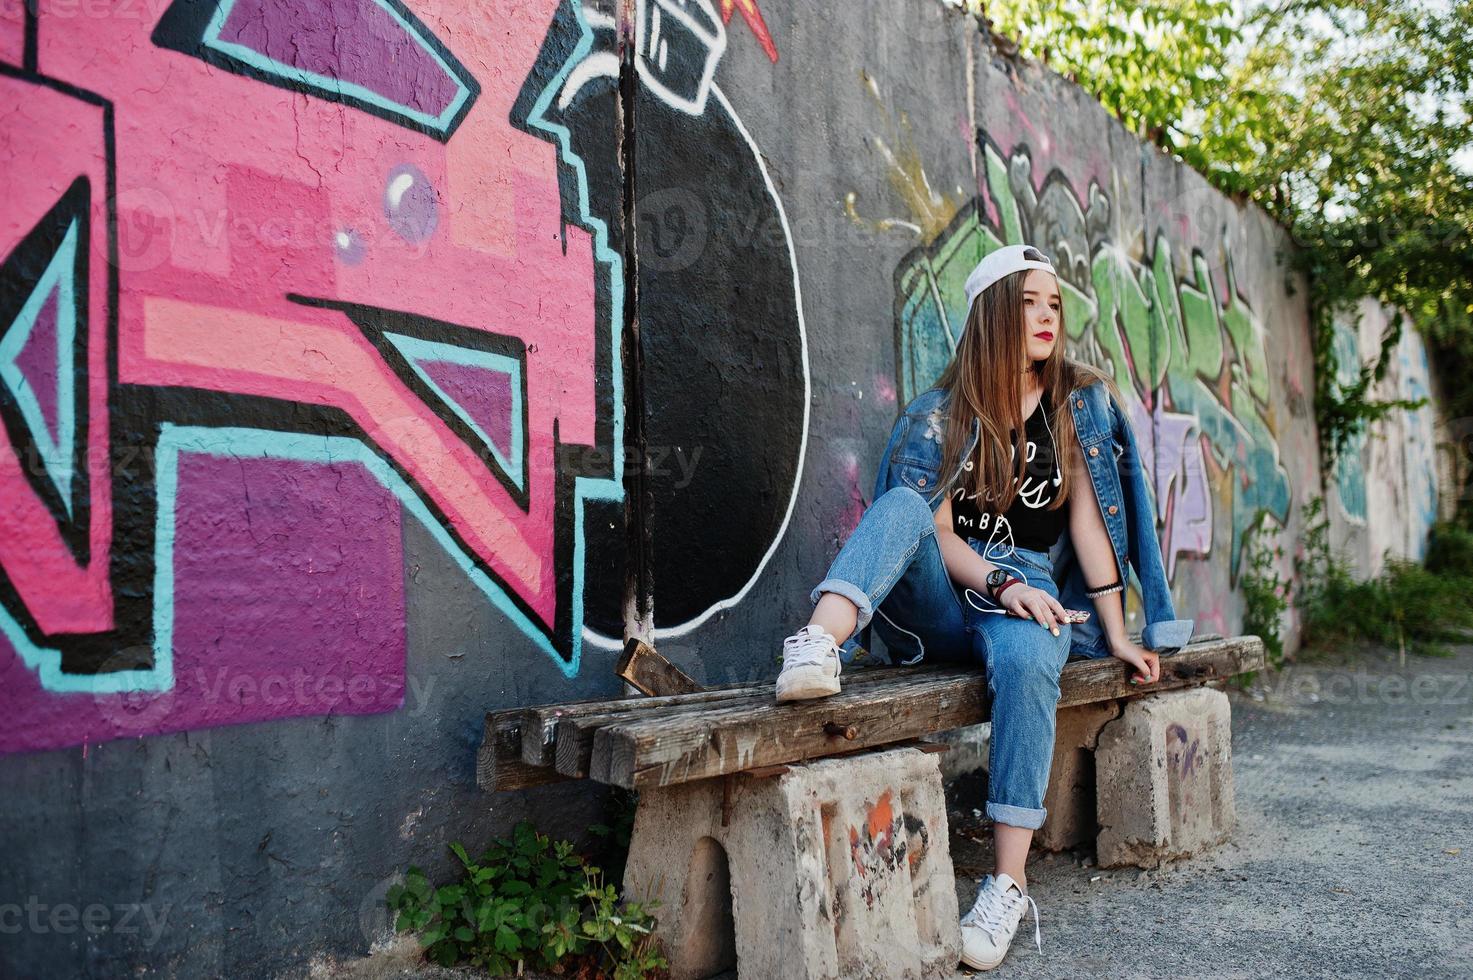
<point>849,591</point>
<point>1016,816</point>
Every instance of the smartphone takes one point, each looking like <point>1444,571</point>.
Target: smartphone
<point>1070,615</point>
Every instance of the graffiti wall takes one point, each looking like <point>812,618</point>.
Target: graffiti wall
<point>357,320</point>
<point>1383,492</point>
<point>292,289</point>
<point>336,388</point>
<point>367,365</point>
<point>1188,355</point>
<point>1179,295</point>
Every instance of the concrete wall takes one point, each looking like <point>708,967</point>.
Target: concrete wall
<point>1383,496</point>
<point>339,413</point>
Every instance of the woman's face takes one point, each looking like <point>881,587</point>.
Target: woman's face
<point>1041,304</point>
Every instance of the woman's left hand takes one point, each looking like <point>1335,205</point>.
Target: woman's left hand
<point>1146,663</point>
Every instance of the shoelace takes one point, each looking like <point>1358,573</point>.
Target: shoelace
<point>809,649</point>
<point>989,909</point>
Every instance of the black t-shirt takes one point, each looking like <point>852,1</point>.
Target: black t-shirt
<point>1032,525</point>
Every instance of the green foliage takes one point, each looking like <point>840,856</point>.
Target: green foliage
<point>1450,551</point>
<point>615,835</point>
<point>1410,607</point>
<point>527,901</point>
<point>622,931</point>
<point>1343,410</point>
<point>1406,607</point>
<point>1147,61</point>
<point>1350,121</point>
<point>1361,161</point>
<point>1265,592</point>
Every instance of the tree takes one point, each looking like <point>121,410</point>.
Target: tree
<point>1348,120</point>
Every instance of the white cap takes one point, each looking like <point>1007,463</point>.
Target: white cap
<point>1002,262</point>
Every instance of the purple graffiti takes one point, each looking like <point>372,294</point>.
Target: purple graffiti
<point>354,42</point>
<point>1183,498</point>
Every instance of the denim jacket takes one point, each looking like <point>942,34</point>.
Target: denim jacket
<point>913,458</point>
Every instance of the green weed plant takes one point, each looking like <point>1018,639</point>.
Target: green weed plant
<point>529,902</point>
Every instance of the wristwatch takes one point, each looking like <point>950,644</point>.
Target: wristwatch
<point>998,580</point>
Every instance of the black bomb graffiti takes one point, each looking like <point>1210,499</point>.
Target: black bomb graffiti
<point>721,387</point>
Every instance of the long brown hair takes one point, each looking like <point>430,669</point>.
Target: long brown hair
<point>985,381</point>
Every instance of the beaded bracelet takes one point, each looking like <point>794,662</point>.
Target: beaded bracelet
<point>1104,590</point>
<point>1012,581</point>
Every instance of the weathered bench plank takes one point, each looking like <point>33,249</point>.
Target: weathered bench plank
<point>1087,681</point>
<point>526,747</point>
<point>730,737</point>
<point>539,724</point>
<point>499,764</point>
<point>519,745</point>
<point>572,743</point>
<point>651,674</point>
<point>725,740</point>
<point>505,762</point>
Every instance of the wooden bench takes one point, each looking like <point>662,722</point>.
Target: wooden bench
<point>731,781</point>
<point>643,742</point>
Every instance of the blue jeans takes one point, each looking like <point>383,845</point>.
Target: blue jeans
<point>891,569</point>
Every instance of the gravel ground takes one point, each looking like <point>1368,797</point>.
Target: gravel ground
<point>1353,854</point>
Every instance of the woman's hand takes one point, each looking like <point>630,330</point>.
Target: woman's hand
<point>1146,663</point>
<point>1030,603</point>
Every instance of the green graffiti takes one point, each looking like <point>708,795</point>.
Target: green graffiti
<point>1191,360</point>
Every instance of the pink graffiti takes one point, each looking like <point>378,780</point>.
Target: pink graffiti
<point>62,138</point>
<point>234,199</point>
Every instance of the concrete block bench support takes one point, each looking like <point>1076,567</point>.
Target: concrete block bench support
<point>1165,778</point>
<point>832,868</point>
<point>809,840</point>
<point>1071,819</point>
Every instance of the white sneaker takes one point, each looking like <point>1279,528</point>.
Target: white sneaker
<point>810,665</point>
<point>987,930</point>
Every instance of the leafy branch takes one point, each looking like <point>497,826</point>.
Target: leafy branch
<point>1350,121</point>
